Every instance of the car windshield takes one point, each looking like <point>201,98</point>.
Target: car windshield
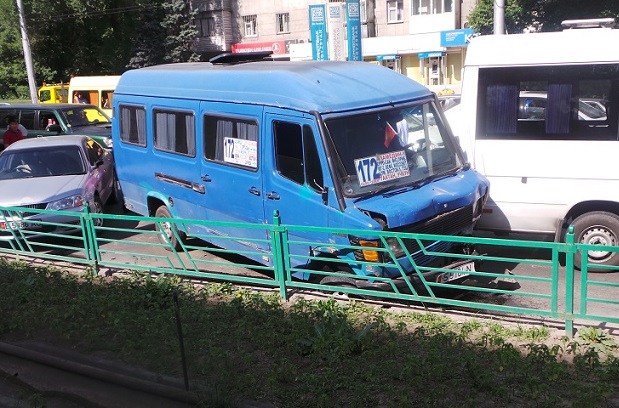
<point>77,116</point>
<point>48,162</point>
<point>390,149</point>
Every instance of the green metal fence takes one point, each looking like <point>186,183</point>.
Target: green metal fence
<point>112,243</point>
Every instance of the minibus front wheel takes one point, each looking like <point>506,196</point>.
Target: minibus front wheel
<point>170,235</point>
<point>597,228</point>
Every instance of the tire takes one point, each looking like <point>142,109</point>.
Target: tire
<point>341,282</point>
<point>169,229</point>
<point>601,228</point>
<point>117,194</point>
<point>97,208</point>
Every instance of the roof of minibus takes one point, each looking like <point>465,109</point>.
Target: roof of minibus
<point>95,81</point>
<point>322,86</point>
<point>570,46</point>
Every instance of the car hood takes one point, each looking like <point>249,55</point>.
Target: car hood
<point>408,206</point>
<point>22,192</point>
<point>97,130</point>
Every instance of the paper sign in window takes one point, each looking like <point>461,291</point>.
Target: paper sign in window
<point>381,168</point>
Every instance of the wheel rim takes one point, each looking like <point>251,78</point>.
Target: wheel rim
<point>601,236</point>
<point>167,229</point>
<point>97,209</point>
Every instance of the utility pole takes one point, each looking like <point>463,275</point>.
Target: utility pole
<point>27,54</point>
<point>499,17</point>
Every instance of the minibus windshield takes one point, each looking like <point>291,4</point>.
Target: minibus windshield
<point>391,149</point>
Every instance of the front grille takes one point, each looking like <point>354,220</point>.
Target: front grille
<point>449,223</point>
<point>25,213</point>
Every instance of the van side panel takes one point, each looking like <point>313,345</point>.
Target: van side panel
<point>539,118</point>
<point>230,170</point>
<point>142,174</point>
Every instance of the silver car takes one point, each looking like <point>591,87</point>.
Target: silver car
<point>60,173</point>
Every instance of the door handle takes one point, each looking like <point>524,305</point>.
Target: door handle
<point>206,178</point>
<point>254,191</point>
<point>273,196</point>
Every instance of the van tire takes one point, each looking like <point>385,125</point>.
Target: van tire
<point>597,227</point>
<point>170,230</point>
<point>117,194</point>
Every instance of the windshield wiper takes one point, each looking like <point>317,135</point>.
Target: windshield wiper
<point>385,191</point>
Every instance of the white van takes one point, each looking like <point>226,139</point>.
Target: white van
<point>539,118</point>
<point>95,90</point>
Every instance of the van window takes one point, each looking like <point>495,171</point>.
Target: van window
<point>26,118</point>
<point>46,118</point>
<point>133,125</point>
<point>174,132</point>
<point>569,102</point>
<point>296,155</point>
<point>231,141</point>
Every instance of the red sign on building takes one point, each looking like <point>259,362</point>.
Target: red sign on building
<point>276,47</point>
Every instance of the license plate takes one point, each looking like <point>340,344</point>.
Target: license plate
<point>17,225</point>
<point>459,271</point>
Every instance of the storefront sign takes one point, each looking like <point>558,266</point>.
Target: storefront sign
<point>276,47</point>
<point>431,54</point>
<point>456,38</point>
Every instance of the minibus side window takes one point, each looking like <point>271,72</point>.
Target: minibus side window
<point>133,125</point>
<point>296,155</point>
<point>289,151</point>
<point>557,102</point>
<point>313,170</point>
<point>231,140</point>
<point>174,132</point>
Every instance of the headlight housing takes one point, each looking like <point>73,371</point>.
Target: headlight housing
<point>367,255</point>
<point>67,202</point>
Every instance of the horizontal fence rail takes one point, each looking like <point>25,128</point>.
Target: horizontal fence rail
<point>268,255</point>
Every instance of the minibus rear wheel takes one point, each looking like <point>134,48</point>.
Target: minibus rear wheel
<point>169,229</point>
<point>597,228</point>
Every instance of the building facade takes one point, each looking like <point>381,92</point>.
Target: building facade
<point>423,39</point>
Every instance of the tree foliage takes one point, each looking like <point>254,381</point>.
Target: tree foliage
<point>539,15</point>
<point>91,37</point>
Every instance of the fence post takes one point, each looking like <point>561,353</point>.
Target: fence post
<point>88,237</point>
<point>278,254</point>
<point>570,250</point>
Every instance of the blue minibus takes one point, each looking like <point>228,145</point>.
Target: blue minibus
<point>338,144</point>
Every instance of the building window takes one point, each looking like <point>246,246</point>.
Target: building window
<point>207,27</point>
<point>250,26</point>
<point>283,23</point>
<point>395,11</point>
<point>422,7</point>
<point>362,11</point>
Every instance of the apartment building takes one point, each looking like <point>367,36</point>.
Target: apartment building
<point>423,39</point>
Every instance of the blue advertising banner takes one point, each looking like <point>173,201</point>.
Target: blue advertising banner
<point>318,31</point>
<point>353,26</point>
<point>456,38</point>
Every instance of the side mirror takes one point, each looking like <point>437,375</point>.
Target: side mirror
<point>324,192</point>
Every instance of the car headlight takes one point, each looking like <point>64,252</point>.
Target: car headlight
<point>68,202</point>
<point>394,247</point>
<point>108,142</point>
